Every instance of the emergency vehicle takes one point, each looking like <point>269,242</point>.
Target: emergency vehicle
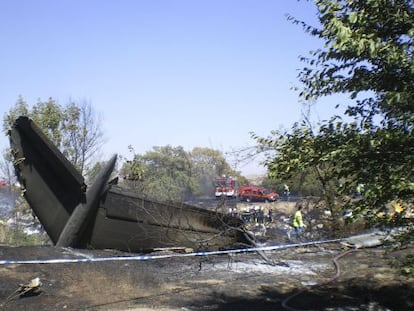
<point>225,186</point>
<point>257,194</point>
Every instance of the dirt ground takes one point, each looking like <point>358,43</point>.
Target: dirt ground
<point>302,278</point>
<point>314,277</point>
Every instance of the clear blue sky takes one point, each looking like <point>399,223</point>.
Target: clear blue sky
<point>191,73</point>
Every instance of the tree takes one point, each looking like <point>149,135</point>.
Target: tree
<point>367,54</point>
<point>302,153</point>
<point>95,169</point>
<point>20,109</point>
<point>82,134</point>
<point>171,173</point>
<point>8,194</point>
<point>163,173</point>
<point>207,165</point>
<point>49,116</point>
<point>75,128</point>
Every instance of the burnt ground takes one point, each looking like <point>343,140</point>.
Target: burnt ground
<point>324,277</point>
<point>303,278</point>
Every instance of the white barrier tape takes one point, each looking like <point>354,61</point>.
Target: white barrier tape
<point>153,257</point>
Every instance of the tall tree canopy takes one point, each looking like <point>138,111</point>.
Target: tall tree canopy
<point>171,173</point>
<point>367,54</point>
<point>74,128</point>
<point>208,164</point>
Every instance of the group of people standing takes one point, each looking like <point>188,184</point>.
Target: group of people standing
<point>257,215</point>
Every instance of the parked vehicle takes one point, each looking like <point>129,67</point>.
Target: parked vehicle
<point>257,194</point>
<point>225,186</point>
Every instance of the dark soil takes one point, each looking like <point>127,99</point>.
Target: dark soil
<point>324,277</point>
<point>302,278</point>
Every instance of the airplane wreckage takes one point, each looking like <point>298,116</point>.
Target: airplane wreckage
<point>105,215</point>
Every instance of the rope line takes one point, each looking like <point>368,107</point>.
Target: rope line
<point>156,257</point>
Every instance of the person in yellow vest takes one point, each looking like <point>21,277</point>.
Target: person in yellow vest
<point>298,221</point>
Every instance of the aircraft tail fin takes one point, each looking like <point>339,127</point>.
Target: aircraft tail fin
<point>51,184</point>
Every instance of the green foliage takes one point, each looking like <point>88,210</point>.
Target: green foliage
<point>74,128</point>
<point>82,134</point>
<point>20,109</point>
<point>17,236</point>
<point>162,173</point>
<point>367,46</point>
<point>305,156</point>
<point>407,266</point>
<point>95,169</point>
<point>171,173</point>
<point>207,164</point>
<point>367,54</point>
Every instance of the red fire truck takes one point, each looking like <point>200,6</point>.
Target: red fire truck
<point>226,186</point>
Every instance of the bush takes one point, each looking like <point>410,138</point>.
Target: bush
<point>17,237</point>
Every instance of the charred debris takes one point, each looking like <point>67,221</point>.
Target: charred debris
<point>105,215</point>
